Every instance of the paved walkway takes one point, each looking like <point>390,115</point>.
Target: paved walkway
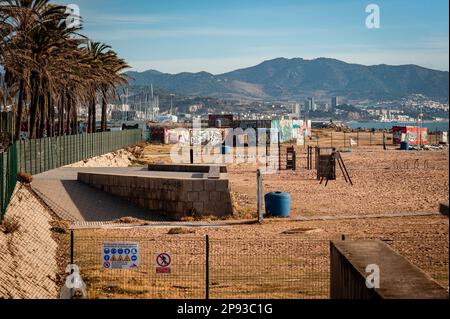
<point>77,202</point>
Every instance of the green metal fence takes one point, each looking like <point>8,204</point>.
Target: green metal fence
<point>8,177</point>
<point>41,155</point>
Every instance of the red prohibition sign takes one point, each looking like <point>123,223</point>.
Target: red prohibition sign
<point>163,260</point>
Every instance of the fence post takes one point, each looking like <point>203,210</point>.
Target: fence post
<point>2,186</point>
<point>279,151</point>
<point>71,246</point>
<point>207,269</point>
<point>260,210</point>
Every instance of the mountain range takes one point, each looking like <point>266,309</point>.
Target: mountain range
<point>297,78</point>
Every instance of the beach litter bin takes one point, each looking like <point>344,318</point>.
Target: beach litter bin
<point>278,204</point>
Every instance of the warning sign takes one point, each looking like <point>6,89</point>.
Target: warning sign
<point>123,256</point>
<point>163,263</point>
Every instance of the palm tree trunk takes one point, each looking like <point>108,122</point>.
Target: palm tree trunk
<point>69,115</point>
<point>34,108</point>
<point>74,118</point>
<point>44,115</point>
<point>51,116</point>
<point>61,116</point>
<point>104,106</point>
<point>20,106</point>
<point>94,116</point>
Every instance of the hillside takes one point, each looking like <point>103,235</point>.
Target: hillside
<point>298,78</point>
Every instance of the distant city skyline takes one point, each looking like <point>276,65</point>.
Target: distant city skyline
<point>217,37</point>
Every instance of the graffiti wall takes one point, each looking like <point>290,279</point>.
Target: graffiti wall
<point>195,137</point>
<point>410,134</point>
<point>157,134</point>
<point>292,129</point>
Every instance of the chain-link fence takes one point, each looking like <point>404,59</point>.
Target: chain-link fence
<point>358,138</point>
<point>8,177</point>
<point>40,155</point>
<point>204,268</point>
<point>218,268</point>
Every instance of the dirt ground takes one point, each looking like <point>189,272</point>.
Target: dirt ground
<point>385,182</point>
<point>29,251</point>
<point>281,258</point>
<point>278,259</point>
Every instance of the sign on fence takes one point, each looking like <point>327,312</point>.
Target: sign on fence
<point>122,256</point>
<point>163,263</point>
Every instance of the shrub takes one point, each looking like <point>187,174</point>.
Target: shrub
<point>24,178</point>
<point>10,225</point>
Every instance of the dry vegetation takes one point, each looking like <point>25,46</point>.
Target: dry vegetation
<point>278,259</point>
<point>281,258</point>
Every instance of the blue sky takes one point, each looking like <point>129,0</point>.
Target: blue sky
<point>219,36</point>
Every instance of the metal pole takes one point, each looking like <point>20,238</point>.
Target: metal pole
<point>279,151</point>
<point>71,246</point>
<point>259,195</point>
<point>207,269</point>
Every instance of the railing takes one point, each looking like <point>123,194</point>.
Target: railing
<point>8,177</point>
<point>41,155</point>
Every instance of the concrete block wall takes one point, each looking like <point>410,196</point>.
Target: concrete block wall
<point>174,197</point>
<point>399,279</point>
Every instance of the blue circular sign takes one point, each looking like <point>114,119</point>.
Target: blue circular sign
<point>133,258</point>
<point>106,251</point>
<point>120,251</point>
<point>107,258</point>
<point>113,251</point>
<point>134,251</point>
<point>127,251</point>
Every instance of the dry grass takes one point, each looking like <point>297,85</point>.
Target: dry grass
<point>24,178</point>
<point>279,259</point>
<point>9,225</point>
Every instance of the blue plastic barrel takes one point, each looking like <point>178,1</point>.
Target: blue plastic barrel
<point>278,204</point>
<point>404,146</point>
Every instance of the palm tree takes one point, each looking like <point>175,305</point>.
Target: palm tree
<point>110,70</point>
<point>51,70</point>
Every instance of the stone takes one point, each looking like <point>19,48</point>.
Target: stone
<point>198,185</point>
<point>193,196</point>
